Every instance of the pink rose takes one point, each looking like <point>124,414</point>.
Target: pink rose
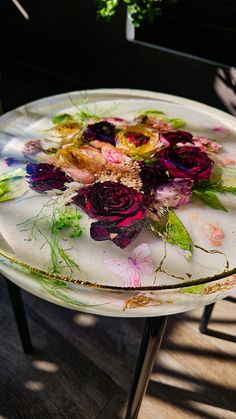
<point>113,156</point>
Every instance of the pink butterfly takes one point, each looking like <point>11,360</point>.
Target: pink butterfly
<point>130,269</point>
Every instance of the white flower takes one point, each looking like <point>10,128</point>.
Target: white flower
<point>65,197</point>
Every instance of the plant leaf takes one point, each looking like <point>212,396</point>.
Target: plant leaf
<point>227,189</point>
<point>18,173</point>
<point>209,198</point>
<point>150,112</point>
<point>62,118</point>
<point>106,9</point>
<point>195,289</point>
<point>218,183</point>
<point>177,123</point>
<point>171,228</point>
<point>13,185</point>
<point>217,187</point>
<point>158,227</point>
<point>177,233</point>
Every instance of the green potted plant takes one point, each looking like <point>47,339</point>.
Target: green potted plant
<point>139,11</point>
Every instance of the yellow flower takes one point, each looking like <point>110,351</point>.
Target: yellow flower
<point>138,142</point>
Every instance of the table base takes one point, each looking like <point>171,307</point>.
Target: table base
<point>19,312</point>
<point>151,341</point>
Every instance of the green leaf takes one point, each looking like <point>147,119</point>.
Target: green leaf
<point>209,198</point>
<point>62,118</point>
<point>69,219</point>
<point>152,113</point>
<point>106,9</point>
<point>217,187</point>
<point>174,232</point>
<point>15,174</point>
<point>177,123</point>
<point>219,183</point>
<point>177,233</point>
<point>227,189</point>
<point>139,11</point>
<point>158,227</point>
<point>195,289</point>
<point>13,185</point>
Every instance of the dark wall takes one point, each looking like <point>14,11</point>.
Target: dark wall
<point>62,47</point>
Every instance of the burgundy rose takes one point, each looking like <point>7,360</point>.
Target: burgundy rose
<point>103,131</point>
<point>43,177</point>
<point>152,175</point>
<point>186,162</point>
<point>122,237</point>
<point>120,211</point>
<point>176,137</point>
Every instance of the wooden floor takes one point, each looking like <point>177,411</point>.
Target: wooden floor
<point>82,365</point>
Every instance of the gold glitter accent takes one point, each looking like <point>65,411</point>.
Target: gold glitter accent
<point>127,173</point>
<point>95,285</point>
<point>214,288</point>
<point>143,301</point>
<point>220,287</point>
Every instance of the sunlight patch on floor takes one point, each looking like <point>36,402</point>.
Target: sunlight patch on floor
<point>45,366</point>
<point>34,385</point>
<point>206,410</point>
<point>85,320</point>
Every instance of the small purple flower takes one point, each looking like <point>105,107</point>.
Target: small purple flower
<point>43,177</point>
<point>173,194</point>
<point>102,131</point>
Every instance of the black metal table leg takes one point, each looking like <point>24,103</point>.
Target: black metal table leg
<point>18,308</point>
<point>206,318</point>
<point>151,341</point>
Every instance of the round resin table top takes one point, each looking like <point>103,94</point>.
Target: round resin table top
<point>119,202</point>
